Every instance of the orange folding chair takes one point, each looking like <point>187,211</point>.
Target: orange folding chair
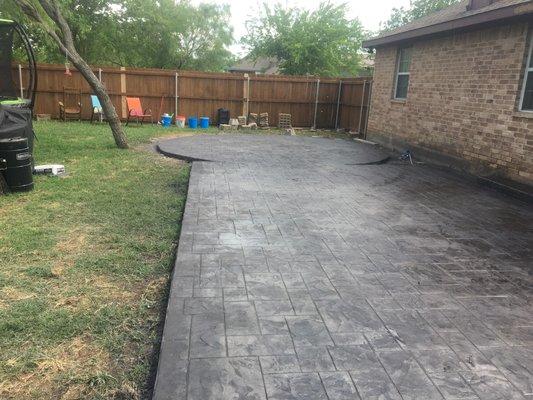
<point>135,110</point>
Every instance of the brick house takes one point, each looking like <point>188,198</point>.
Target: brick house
<point>457,87</point>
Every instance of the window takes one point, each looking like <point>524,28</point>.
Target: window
<point>526,99</point>
<point>402,73</point>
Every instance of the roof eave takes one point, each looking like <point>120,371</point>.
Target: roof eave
<point>500,14</point>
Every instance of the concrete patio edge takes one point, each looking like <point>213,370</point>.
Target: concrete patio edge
<point>456,165</point>
<point>176,155</point>
<point>167,373</point>
<point>302,273</point>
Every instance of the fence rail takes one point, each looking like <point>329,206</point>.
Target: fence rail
<point>320,102</point>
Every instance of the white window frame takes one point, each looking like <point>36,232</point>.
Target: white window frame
<point>398,73</point>
<point>528,70</point>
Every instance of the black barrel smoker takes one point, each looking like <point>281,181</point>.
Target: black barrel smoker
<point>16,109</point>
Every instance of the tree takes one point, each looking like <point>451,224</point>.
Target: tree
<point>169,34</point>
<point>417,9</point>
<point>48,15</point>
<point>203,43</point>
<point>320,42</point>
<point>139,33</point>
<point>90,22</point>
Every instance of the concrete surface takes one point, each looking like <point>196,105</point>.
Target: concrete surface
<point>300,275</point>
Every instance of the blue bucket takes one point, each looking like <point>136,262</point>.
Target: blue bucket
<point>193,122</point>
<point>166,120</point>
<point>204,122</point>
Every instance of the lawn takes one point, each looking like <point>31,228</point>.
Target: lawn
<point>84,266</point>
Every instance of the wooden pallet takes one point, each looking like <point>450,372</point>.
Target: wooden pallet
<point>242,120</point>
<point>284,121</point>
<point>263,120</point>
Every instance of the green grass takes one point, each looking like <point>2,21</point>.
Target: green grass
<point>84,266</point>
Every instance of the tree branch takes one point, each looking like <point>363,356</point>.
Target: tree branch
<point>63,37</point>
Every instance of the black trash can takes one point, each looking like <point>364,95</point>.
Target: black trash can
<point>17,156</point>
<point>222,116</point>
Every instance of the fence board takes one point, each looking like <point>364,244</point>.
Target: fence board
<point>202,93</point>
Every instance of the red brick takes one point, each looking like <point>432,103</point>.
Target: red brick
<point>462,99</point>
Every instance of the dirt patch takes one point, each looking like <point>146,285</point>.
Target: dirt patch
<point>74,241</point>
<point>151,146</point>
<point>166,161</point>
<point>72,302</point>
<point>112,291</point>
<point>9,208</point>
<point>72,366</point>
<point>60,266</point>
<point>154,290</point>
<point>10,294</point>
<point>73,244</point>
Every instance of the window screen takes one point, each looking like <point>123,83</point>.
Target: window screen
<point>402,73</point>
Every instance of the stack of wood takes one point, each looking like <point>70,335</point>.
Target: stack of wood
<point>253,118</point>
<point>232,126</point>
<point>263,120</point>
<point>242,120</point>
<point>284,121</point>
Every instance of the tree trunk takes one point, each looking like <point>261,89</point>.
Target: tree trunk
<point>107,106</point>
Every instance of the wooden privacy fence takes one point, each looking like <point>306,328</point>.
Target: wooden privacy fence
<point>320,102</point>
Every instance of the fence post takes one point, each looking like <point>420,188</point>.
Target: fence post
<point>338,105</point>
<point>367,114</point>
<point>20,82</point>
<point>123,92</point>
<point>176,96</point>
<point>316,101</point>
<point>246,95</point>
<point>361,107</point>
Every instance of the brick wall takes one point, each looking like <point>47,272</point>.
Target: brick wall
<point>462,100</point>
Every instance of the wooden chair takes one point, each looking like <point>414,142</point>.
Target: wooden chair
<point>96,108</point>
<point>135,110</point>
<point>70,107</point>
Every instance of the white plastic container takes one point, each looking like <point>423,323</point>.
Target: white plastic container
<point>180,121</point>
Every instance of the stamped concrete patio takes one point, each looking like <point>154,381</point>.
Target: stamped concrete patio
<point>302,275</point>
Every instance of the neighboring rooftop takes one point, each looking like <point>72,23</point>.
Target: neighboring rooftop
<point>466,13</point>
<point>367,61</point>
<point>270,66</point>
<point>261,65</point>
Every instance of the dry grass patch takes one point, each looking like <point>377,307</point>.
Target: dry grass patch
<point>60,373</point>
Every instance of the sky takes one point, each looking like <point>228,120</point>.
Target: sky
<point>369,12</point>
